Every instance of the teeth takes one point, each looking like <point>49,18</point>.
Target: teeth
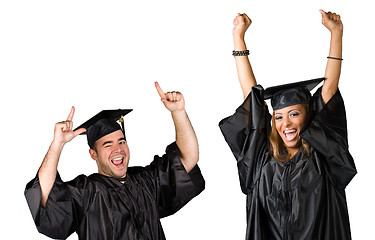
<point>289,131</point>
<point>117,161</point>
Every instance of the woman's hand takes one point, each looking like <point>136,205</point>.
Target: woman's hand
<point>332,22</point>
<point>241,23</point>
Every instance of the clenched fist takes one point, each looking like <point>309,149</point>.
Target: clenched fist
<point>241,23</point>
<point>332,22</point>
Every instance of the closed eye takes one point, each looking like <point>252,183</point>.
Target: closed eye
<point>107,144</point>
<point>294,114</point>
<point>278,117</point>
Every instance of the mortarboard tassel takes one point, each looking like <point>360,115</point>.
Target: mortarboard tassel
<point>122,125</point>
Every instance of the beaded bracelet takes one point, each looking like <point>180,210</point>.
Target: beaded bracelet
<point>240,53</point>
<point>335,58</point>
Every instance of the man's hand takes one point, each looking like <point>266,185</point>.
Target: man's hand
<point>241,23</point>
<point>332,21</point>
<point>64,132</point>
<point>173,101</point>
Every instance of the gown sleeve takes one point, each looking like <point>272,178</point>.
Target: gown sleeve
<point>246,133</point>
<point>175,187</point>
<point>63,209</point>
<point>327,133</point>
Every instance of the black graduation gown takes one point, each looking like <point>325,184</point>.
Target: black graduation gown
<point>100,207</point>
<point>303,198</point>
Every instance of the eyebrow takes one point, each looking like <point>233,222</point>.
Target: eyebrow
<point>108,142</point>
<point>294,110</point>
<point>288,111</point>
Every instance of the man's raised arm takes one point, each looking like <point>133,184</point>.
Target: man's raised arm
<point>48,169</point>
<point>186,139</point>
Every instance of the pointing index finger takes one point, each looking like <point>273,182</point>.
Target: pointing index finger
<point>161,93</point>
<point>324,14</point>
<point>71,114</point>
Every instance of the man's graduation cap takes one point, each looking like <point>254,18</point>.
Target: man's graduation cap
<point>103,124</point>
<point>291,94</point>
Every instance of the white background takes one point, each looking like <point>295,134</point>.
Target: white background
<point>107,54</point>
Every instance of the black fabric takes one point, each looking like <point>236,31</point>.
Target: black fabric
<point>100,129</point>
<point>290,94</point>
<point>290,97</point>
<point>100,207</point>
<point>303,198</point>
<point>103,123</point>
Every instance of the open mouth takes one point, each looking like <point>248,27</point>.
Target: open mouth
<point>118,161</point>
<point>290,134</point>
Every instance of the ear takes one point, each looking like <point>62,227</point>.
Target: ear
<point>93,154</point>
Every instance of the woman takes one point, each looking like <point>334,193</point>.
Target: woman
<point>295,173</point>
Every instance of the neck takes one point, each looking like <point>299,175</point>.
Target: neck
<point>292,152</point>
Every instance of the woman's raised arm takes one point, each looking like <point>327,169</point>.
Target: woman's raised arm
<point>332,22</point>
<point>245,72</point>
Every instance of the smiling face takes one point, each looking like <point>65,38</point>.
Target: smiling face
<point>111,154</point>
<point>289,122</point>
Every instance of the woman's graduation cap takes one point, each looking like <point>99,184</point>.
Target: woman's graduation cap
<point>104,123</point>
<point>291,94</point>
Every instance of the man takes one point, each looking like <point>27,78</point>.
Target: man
<point>117,202</point>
